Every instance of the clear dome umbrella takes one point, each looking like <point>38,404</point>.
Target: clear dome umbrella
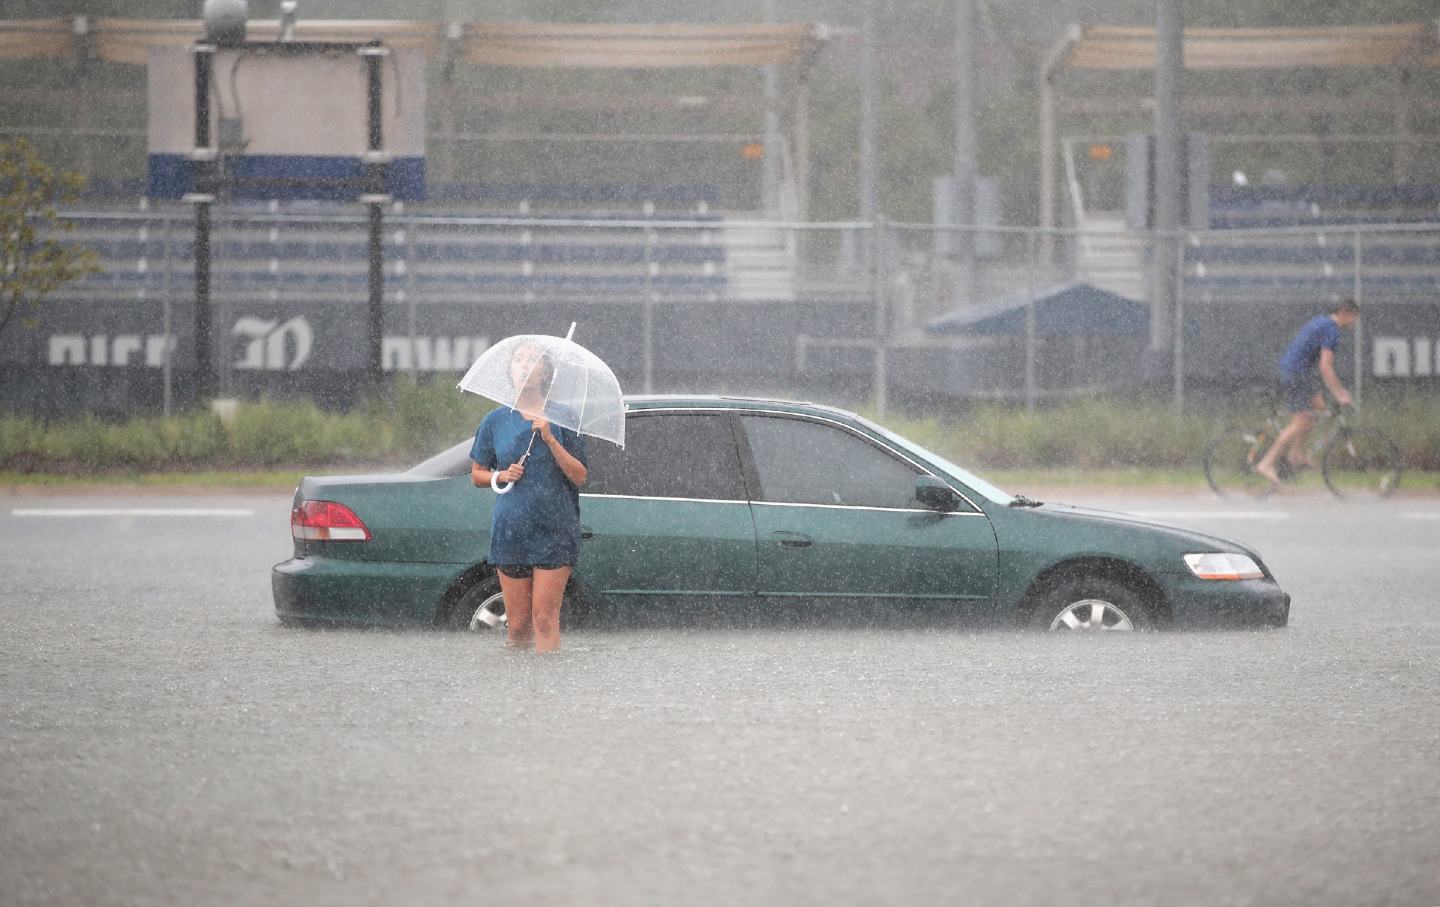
<point>570,386</point>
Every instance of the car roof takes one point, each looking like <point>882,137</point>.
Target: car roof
<point>725,401</point>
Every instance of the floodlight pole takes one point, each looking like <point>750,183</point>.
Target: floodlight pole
<point>1169,73</point>
<point>965,167</point>
<point>376,162</point>
<point>869,205</point>
<point>203,184</point>
<point>770,160</point>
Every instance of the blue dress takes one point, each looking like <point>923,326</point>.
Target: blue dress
<point>538,520</point>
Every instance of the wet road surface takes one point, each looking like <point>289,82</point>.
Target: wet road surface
<point>164,740</point>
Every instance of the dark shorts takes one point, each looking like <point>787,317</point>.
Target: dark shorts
<point>1298,391</point>
<point>525,571</point>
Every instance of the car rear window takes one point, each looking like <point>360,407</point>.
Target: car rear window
<point>669,455</point>
<point>452,461</point>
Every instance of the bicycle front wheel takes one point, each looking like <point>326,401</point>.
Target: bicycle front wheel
<point>1230,463</point>
<point>1361,464</point>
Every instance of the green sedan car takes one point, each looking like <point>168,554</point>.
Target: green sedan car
<point>736,503</point>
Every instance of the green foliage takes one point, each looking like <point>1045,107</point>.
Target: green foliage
<point>418,418</point>
<point>428,414</point>
<point>1100,434</point>
<point>32,264</point>
<point>410,422</point>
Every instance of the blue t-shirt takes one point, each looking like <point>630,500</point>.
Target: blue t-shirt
<point>1303,354</point>
<point>538,520</point>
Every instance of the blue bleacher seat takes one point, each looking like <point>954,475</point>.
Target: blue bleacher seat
<point>1305,254</point>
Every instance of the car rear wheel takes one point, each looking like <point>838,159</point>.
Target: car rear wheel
<point>1091,604</point>
<point>482,609</point>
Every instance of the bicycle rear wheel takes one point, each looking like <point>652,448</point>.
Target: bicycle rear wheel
<point>1361,463</point>
<point>1230,460</point>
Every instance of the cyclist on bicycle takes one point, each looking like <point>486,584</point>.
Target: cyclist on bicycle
<point>1308,361</point>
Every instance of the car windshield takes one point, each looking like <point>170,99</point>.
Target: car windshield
<point>969,479</point>
<point>452,461</point>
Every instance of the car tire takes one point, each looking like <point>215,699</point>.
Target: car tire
<point>481,609</point>
<point>1091,604</point>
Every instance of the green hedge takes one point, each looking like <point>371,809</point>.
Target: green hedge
<point>415,419</point>
<point>409,423</point>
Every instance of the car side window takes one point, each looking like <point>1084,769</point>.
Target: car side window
<point>671,455</point>
<point>805,462</point>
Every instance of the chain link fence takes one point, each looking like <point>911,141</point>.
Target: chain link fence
<point>851,312</point>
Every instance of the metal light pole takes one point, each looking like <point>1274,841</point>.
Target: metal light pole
<point>1169,73</point>
<point>965,149</point>
<point>203,169</point>
<point>770,160</point>
<point>375,198</point>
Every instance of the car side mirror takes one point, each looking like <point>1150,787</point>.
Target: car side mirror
<point>935,494</point>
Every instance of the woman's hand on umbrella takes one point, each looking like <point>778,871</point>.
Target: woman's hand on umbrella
<point>512,474</point>
<point>543,427</point>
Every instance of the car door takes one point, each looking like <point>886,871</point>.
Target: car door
<point>836,518</point>
<point>667,517</point>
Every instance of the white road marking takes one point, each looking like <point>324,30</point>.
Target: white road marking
<point>131,511</point>
<point>1213,514</point>
<point>1421,515</point>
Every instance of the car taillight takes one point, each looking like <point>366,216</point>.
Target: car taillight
<point>326,521</point>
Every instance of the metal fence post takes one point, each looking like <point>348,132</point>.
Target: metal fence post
<point>1178,294</point>
<point>412,228</point>
<point>880,245</point>
<point>167,341</point>
<point>1359,326</point>
<point>1030,388</point>
<point>647,316</point>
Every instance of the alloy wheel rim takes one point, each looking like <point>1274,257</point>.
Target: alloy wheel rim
<point>1092,615</point>
<point>489,615</point>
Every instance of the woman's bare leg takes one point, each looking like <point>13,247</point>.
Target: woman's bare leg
<point>518,611</point>
<point>549,594</point>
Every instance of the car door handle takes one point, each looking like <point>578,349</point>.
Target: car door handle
<point>586,533</point>
<point>787,539</point>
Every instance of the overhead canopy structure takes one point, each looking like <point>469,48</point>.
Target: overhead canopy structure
<point>519,45</point>
<point>1117,48</point>
<point>1409,45</point>
<point>1070,310</point>
<point>637,46</point>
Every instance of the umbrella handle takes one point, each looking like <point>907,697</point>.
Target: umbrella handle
<point>495,476</point>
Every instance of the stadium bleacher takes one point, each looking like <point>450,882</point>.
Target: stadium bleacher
<point>1307,253</point>
<point>437,252</point>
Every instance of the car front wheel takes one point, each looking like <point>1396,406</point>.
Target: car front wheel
<point>1090,605</point>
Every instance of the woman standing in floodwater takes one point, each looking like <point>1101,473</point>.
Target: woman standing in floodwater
<point>535,527</point>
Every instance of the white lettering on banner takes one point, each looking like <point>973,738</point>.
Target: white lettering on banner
<point>1404,357</point>
<point>269,340</point>
<point>431,354</point>
<point>269,345</point>
<point>156,348</point>
<point>122,347</point>
<point>67,349</point>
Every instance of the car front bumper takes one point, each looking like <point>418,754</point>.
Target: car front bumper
<point>345,591</point>
<point>1198,602</point>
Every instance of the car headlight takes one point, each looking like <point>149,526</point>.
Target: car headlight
<point>1217,565</point>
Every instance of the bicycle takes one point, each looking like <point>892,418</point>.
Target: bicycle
<point>1356,463</point>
